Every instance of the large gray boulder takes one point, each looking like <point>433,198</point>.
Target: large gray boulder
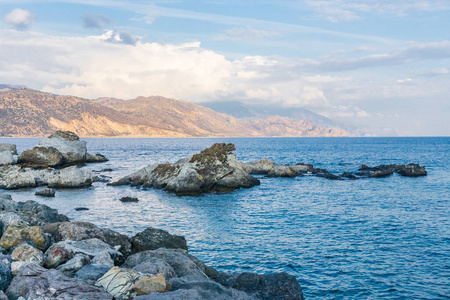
<point>72,177</point>
<point>8,147</point>
<point>7,158</point>
<point>91,273</point>
<point>153,238</point>
<point>14,177</point>
<point>41,157</point>
<point>215,169</point>
<point>35,282</point>
<point>68,144</point>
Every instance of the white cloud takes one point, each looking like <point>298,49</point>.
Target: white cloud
<point>123,37</point>
<point>245,33</point>
<point>20,19</point>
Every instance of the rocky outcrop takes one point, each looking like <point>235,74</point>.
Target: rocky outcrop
<point>153,238</point>
<point>215,169</point>
<point>71,177</point>
<point>95,158</point>
<point>41,157</point>
<point>8,147</point>
<point>68,144</point>
<point>45,193</point>
<point>7,158</point>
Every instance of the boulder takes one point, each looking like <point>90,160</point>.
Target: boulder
<point>103,258</point>
<point>74,264</point>
<point>215,169</point>
<point>41,212</point>
<point>68,144</point>
<point>35,282</point>
<point>95,158</point>
<point>282,171</point>
<point>7,158</point>
<point>56,256</point>
<point>7,204</point>
<point>178,294</point>
<point>17,265</point>
<point>152,238</point>
<point>129,199</point>
<point>17,233</point>
<point>177,259</point>
<point>119,283</point>
<point>154,265</point>
<point>28,253</point>
<point>91,273</point>
<point>260,167</point>
<point>412,170</point>
<point>72,177</point>
<point>9,147</point>
<point>147,285</point>
<point>41,157</point>
<point>7,218</point>
<point>5,271</point>
<point>266,287</point>
<point>46,193</point>
<point>15,177</point>
<point>3,296</point>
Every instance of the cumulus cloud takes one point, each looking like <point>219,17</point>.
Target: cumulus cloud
<point>244,33</point>
<point>123,37</point>
<point>20,19</point>
<point>95,21</point>
<point>348,10</point>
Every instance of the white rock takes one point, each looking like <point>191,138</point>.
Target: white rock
<point>7,158</point>
<point>71,150</point>
<point>72,177</point>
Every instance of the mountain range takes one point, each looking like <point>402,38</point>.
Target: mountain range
<point>26,112</point>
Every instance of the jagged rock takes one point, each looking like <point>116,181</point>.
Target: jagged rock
<point>46,193</point>
<point>41,157</point>
<point>95,158</point>
<point>215,169</point>
<point>103,258</point>
<point>28,253</point>
<point>129,199</point>
<point>261,167</point>
<point>56,256</point>
<point>119,282</point>
<point>68,144</point>
<point>35,282</point>
<point>282,171</point>
<point>409,170</point>
<point>5,271</point>
<point>74,264</point>
<point>7,218</point>
<point>266,287</point>
<point>3,296</point>
<point>8,147</point>
<point>72,177</point>
<point>16,265</point>
<point>39,214</point>
<point>154,266</point>
<point>17,233</point>
<point>7,158</point>
<point>89,247</point>
<point>91,273</point>
<point>78,231</point>
<point>412,170</point>
<point>147,285</point>
<point>7,204</point>
<point>152,238</point>
<point>178,259</point>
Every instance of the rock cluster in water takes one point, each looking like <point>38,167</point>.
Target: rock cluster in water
<point>217,169</point>
<point>55,162</point>
<point>45,256</point>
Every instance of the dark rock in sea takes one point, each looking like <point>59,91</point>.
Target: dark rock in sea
<point>266,287</point>
<point>348,176</point>
<point>46,193</point>
<point>412,170</point>
<point>39,214</point>
<point>129,199</point>
<point>35,282</point>
<point>91,273</point>
<point>215,169</point>
<point>381,173</point>
<point>41,157</point>
<point>107,170</point>
<point>81,208</point>
<point>409,170</point>
<point>95,158</point>
<point>152,238</point>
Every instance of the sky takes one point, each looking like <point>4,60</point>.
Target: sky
<point>382,66</point>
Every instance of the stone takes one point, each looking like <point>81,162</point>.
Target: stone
<point>119,283</point>
<point>16,265</point>
<point>7,158</point>
<point>81,208</point>
<point>16,176</point>
<point>5,271</point>
<point>177,259</point>
<point>7,218</point>
<point>56,256</point>
<point>68,144</point>
<point>215,169</point>
<point>412,170</point>
<point>3,296</point>
<point>74,264</point>
<point>152,238</point>
<point>41,157</point>
<point>266,287</point>
<point>35,282</point>
<point>147,285</point>
<point>103,258</point>
<point>41,212</point>
<point>17,233</point>
<point>260,167</point>
<point>282,171</point>
<point>7,204</point>
<point>28,253</point>
<point>9,147</point>
<point>46,193</point>
<point>95,158</point>
<point>176,295</point>
<point>155,266</point>
<point>129,199</point>
<point>91,273</point>
<point>72,177</point>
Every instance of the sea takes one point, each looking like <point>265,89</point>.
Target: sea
<point>376,238</point>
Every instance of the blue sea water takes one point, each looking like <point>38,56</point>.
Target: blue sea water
<point>378,238</point>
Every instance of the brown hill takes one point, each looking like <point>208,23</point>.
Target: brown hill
<point>25,112</point>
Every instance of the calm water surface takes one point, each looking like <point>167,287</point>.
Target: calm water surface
<point>381,238</point>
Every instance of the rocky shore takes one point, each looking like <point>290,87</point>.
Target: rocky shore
<point>45,256</point>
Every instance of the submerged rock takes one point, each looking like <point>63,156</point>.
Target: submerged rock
<point>215,169</point>
<point>129,199</point>
<point>46,193</point>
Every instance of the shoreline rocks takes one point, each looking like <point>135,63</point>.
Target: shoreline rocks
<point>82,261</point>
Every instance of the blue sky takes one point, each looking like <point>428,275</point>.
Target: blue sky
<point>382,66</point>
